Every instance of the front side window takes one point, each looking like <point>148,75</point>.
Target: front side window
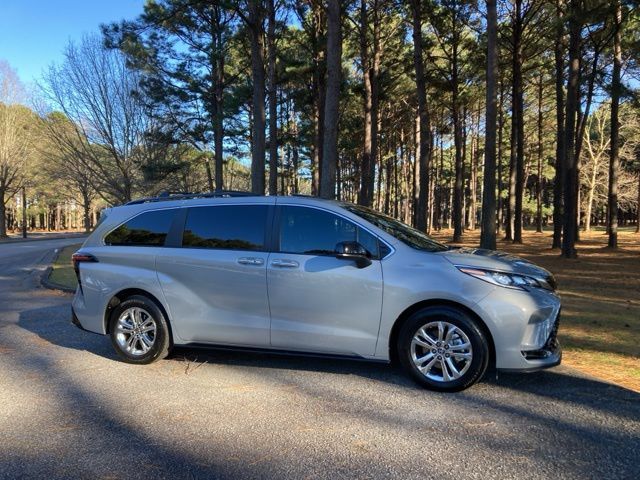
<point>149,229</point>
<point>227,227</point>
<point>311,231</point>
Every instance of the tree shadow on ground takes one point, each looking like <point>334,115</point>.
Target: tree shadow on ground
<point>584,411</point>
<point>553,384</point>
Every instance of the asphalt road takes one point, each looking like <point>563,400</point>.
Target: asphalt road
<point>69,409</point>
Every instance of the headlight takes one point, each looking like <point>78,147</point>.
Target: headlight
<point>504,279</point>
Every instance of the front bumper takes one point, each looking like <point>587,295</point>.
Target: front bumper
<point>524,328</point>
<point>550,355</point>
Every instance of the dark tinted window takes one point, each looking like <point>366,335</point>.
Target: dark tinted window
<point>406,234</point>
<point>230,227</point>
<point>316,232</point>
<point>148,229</point>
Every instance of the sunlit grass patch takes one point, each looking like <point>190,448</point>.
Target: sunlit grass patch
<point>62,271</point>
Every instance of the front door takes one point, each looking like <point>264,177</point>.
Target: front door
<point>318,302</point>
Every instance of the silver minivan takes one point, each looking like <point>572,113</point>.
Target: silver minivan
<point>305,275</point>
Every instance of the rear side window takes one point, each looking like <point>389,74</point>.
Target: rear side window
<point>228,227</point>
<point>149,229</point>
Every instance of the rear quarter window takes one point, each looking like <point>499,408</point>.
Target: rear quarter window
<point>149,229</point>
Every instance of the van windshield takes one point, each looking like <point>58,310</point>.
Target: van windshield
<point>406,234</point>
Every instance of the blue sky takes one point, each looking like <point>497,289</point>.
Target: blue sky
<point>33,33</point>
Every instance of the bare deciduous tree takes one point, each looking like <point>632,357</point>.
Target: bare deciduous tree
<point>16,127</point>
<point>94,89</point>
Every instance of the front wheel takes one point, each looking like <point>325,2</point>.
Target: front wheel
<point>443,349</point>
<point>139,331</point>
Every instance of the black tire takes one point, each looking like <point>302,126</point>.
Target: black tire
<point>462,321</point>
<point>161,337</point>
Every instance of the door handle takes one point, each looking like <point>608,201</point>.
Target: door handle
<point>250,261</point>
<point>283,263</point>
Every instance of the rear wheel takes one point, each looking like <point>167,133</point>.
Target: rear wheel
<point>443,348</point>
<point>139,331</point>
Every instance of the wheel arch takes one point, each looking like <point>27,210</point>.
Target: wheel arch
<point>122,295</point>
<point>395,330</point>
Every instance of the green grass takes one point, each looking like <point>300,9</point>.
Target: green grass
<point>62,271</point>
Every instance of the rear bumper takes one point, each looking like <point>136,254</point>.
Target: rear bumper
<point>76,321</point>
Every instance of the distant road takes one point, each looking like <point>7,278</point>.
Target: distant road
<point>41,236</point>
<point>70,409</point>
<point>28,253</point>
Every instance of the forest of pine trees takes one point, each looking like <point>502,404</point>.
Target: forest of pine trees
<point>501,115</point>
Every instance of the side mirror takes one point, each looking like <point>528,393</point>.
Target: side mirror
<point>355,252</point>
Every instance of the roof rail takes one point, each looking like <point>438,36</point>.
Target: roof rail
<point>169,196</point>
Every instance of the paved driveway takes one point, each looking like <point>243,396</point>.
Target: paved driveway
<point>69,409</point>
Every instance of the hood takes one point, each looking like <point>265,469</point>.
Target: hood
<point>493,260</point>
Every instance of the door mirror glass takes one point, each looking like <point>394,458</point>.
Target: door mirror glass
<point>353,251</point>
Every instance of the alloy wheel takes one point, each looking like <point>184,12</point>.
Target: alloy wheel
<point>441,351</point>
<point>135,331</point>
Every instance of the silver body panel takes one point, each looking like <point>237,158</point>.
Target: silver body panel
<point>324,305</point>
<point>310,303</point>
<point>215,298</point>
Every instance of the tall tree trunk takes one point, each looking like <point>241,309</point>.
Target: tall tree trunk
<point>273,99</point>
<point>371,72</point>
<point>258,156</point>
<point>366,167</point>
<point>86,210</point>
<point>207,167</point>
<point>558,181</point>
<point>331,117</point>
<point>570,181</point>
<point>518,114</point>
<point>295,154</point>
<point>218,63</point>
<point>458,196</point>
<point>319,93</point>
<point>423,118</point>
<point>473,179</point>
<point>614,163</point>
<point>3,214</point>
<point>511,200</point>
<point>488,228</point>
<point>465,185</point>
<point>416,169</point>
<point>540,155</point>
<point>499,155</point>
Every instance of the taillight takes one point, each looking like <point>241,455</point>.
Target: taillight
<point>78,258</point>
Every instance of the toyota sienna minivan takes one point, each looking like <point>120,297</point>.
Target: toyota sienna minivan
<point>305,275</point>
